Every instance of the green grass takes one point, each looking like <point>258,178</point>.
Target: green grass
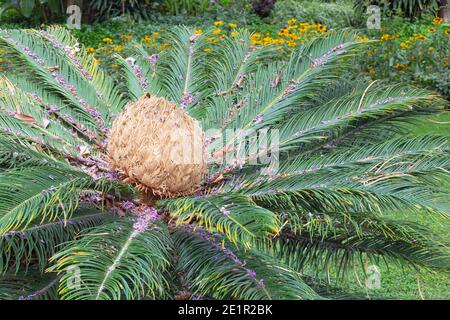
<point>439,124</point>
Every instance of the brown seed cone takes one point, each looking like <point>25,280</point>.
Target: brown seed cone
<point>158,147</point>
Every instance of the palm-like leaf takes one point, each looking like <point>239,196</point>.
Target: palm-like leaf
<point>332,204</point>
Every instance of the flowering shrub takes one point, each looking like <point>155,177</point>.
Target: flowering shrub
<point>285,38</point>
<point>403,51</point>
<point>411,52</point>
<point>339,14</point>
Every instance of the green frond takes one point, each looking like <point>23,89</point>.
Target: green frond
<point>34,246</point>
<point>54,71</point>
<point>115,261</point>
<point>213,270</point>
<point>340,117</point>
<point>140,72</point>
<point>26,117</point>
<point>352,244</point>
<point>135,81</point>
<point>234,215</point>
<point>28,286</point>
<point>38,193</point>
<point>181,69</point>
<point>104,85</point>
<point>16,152</point>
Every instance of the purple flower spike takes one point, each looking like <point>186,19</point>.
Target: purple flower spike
<point>128,205</point>
<point>259,119</point>
<point>224,211</point>
<point>153,59</point>
<point>186,99</point>
<point>145,217</point>
<point>251,273</point>
<point>112,175</point>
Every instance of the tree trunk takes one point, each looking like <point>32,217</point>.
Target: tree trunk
<point>443,11</point>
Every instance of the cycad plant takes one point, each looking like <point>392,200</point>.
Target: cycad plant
<point>296,179</point>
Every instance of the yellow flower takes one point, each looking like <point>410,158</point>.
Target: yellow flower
<point>218,23</point>
<point>127,38</point>
<point>400,66</point>
<point>430,49</point>
<point>147,38</point>
<point>107,40</point>
<point>386,37</point>
<point>437,21</point>
<point>232,25</point>
<point>405,45</point>
<point>372,71</point>
<point>234,33</point>
<point>164,46</point>
<point>198,31</point>
<point>207,50</point>
<point>118,48</point>
<point>362,38</point>
<point>155,34</point>
<point>303,29</point>
<point>292,21</point>
<point>217,31</point>
<point>1,60</point>
<point>291,43</point>
<point>420,37</point>
<point>322,28</point>
<point>91,50</point>
<point>267,40</point>
<point>431,30</point>
<point>282,32</point>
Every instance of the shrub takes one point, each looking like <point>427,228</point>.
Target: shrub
<point>407,8</point>
<point>416,53</point>
<point>334,15</point>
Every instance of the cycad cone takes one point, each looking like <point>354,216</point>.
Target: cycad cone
<point>158,147</point>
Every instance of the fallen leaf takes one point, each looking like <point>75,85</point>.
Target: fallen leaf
<point>54,68</point>
<point>25,118</point>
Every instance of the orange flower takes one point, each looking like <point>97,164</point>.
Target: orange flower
<point>437,21</point>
